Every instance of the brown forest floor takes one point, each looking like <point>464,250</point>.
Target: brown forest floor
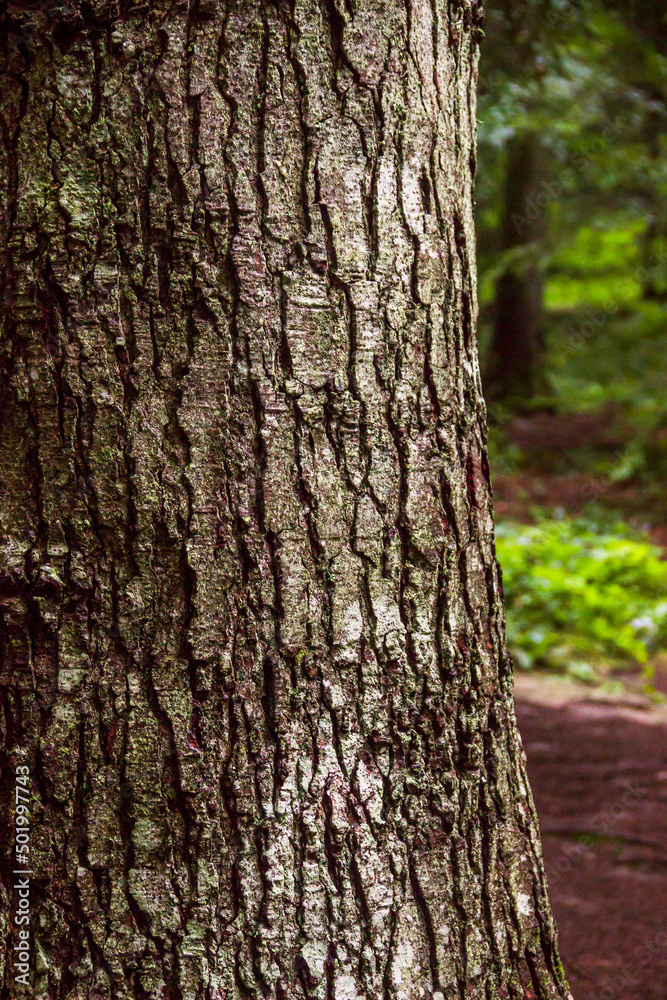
<point>558,456</point>
<point>598,769</point>
<point>597,762</point>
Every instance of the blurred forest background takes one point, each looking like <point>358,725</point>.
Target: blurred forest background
<point>571,186</point>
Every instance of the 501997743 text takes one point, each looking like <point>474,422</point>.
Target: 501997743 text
<point>22,872</point>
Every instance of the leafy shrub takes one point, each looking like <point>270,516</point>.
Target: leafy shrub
<point>579,596</point>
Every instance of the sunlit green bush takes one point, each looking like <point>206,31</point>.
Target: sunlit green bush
<point>580,597</point>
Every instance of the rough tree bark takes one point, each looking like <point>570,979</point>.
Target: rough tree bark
<point>252,627</point>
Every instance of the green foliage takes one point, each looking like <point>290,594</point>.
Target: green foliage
<point>589,77</point>
<point>579,596</point>
<point>609,354</point>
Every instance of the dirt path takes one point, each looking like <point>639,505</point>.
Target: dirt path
<point>598,768</point>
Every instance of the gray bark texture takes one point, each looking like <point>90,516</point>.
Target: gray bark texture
<point>252,625</point>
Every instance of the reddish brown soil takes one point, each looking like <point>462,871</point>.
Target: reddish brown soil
<point>517,495</point>
<point>559,453</point>
<point>598,770</point>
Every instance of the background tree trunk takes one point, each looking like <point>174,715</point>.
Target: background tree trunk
<point>514,371</point>
<point>252,629</point>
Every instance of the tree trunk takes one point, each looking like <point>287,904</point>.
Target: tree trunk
<point>252,634</point>
<point>653,241</point>
<point>514,370</point>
